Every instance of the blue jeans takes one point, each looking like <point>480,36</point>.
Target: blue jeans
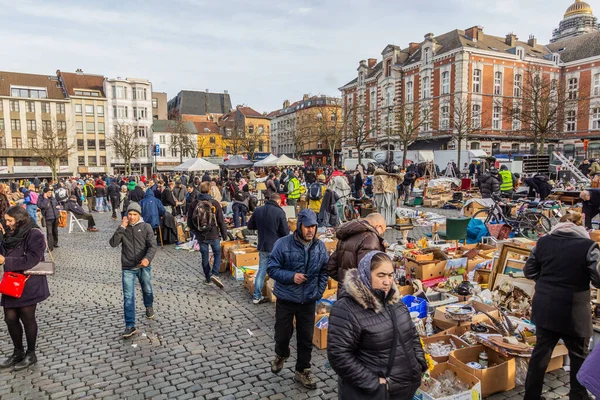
<point>259,279</point>
<point>216,249</point>
<point>144,275</point>
<point>32,211</point>
<point>239,212</point>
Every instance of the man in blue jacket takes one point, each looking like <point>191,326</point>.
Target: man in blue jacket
<point>298,266</point>
<point>271,224</point>
<point>152,209</point>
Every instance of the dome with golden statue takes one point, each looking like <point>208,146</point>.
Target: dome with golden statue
<point>580,7</point>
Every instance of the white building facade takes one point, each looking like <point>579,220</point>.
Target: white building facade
<point>130,107</point>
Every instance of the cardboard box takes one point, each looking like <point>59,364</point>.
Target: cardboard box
<point>474,392</point>
<point>320,334</point>
<point>328,293</point>
<point>458,343</point>
<point>426,270</point>
<point>237,273</point>
<point>498,377</point>
<point>234,244</point>
<point>444,323</point>
<point>224,264</point>
<point>331,245</point>
<point>248,258</point>
<point>332,283</point>
<point>419,257</point>
<point>472,208</point>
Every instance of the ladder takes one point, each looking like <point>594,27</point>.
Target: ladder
<point>569,165</point>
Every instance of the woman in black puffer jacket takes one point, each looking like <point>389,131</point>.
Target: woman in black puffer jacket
<point>364,325</point>
<point>489,184</point>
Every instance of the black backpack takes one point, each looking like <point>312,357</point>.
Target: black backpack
<point>315,192</point>
<point>205,216</point>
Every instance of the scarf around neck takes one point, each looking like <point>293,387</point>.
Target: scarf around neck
<point>14,238</point>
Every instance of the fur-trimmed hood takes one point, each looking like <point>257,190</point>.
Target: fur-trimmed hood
<point>364,296</point>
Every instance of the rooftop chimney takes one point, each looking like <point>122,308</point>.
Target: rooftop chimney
<point>362,63</point>
<point>79,71</point>
<point>413,47</point>
<point>305,97</point>
<point>225,92</point>
<point>532,41</point>
<point>372,62</point>
<point>511,39</point>
<point>474,33</point>
<point>429,36</point>
<point>286,104</point>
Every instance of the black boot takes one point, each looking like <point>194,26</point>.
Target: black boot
<point>17,356</point>
<point>27,362</point>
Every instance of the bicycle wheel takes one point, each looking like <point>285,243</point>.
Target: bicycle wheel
<point>487,216</point>
<point>533,225</point>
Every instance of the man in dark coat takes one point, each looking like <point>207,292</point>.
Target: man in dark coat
<point>72,206</point>
<point>114,195</point>
<point>563,265</point>
<point>489,184</point>
<point>271,224</point>
<point>208,235</point>
<point>137,251</point>
<point>298,267</point>
<point>355,240</point>
<point>591,205</point>
<point>51,211</point>
<point>152,209</point>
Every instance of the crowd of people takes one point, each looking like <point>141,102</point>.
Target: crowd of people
<point>372,344</point>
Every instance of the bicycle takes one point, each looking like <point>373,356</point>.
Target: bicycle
<point>349,212</point>
<point>528,224</point>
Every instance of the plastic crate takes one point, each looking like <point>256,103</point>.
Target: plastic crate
<point>440,299</point>
<point>416,304</point>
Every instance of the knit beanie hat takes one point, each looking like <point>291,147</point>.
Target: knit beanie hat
<point>135,207</point>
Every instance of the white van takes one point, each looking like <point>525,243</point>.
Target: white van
<point>350,164</point>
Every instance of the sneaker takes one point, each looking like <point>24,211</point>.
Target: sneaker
<point>217,281</point>
<point>129,332</point>
<point>259,301</point>
<point>149,312</point>
<point>277,364</point>
<point>208,283</point>
<point>306,378</point>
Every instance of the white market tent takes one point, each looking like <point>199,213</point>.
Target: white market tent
<point>196,164</point>
<point>284,161</point>
<point>265,161</point>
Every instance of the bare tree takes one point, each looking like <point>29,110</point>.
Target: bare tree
<point>466,121</point>
<point>233,135</point>
<point>330,124</point>
<point>183,140</point>
<point>125,144</point>
<point>52,147</point>
<point>408,124</point>
<point>543,107</point>
<point>304,133</point>
<point>251,136</point>
<point>358,131</point>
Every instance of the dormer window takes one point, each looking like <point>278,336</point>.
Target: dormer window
<point>427,55</point>
<point>520,52</point>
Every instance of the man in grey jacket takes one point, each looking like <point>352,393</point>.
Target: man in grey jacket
<point>137,251</point>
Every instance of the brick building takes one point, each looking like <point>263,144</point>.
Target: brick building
<point>295,127</point>
<point>486,73</point>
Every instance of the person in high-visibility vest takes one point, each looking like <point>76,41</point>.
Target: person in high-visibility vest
<point>294,190</point>
<point>508,181</point>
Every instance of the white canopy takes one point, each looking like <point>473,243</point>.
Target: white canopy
<point>284,161</point>
<point>196,164</point>
<point>265,161</point>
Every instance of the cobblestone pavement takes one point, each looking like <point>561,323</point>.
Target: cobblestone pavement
<point>205,343</point>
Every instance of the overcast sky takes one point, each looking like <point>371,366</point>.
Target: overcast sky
<point>261,51</point>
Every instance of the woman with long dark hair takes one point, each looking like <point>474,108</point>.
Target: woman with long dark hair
<point>22,246</point>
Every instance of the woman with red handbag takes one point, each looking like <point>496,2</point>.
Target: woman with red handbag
<point>22,246</point>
